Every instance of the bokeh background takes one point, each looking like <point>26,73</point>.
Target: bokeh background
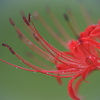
<point>16,84</point>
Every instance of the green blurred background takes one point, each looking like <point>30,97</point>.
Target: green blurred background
<point>16,84</point>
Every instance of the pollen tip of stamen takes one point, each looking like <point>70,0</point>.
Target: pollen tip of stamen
<point>11,21</point>
<point>25,20</point>
<point>66,17</point>
<point>11,50</point>
<point>5,45</point>
<point>29,17</point>
<point>36,15</point>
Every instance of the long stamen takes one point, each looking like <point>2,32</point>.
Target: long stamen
<point>36,69</point>
<point>50,30</point>
<point>30,43</point>
<point>46,44</point>
<point>37,35</point>
<point>73,20</point>
<point>58,25</point>
<point>70,25</point>
<point>23,60</point>
<point>31,33</point>
<point>43,71</point>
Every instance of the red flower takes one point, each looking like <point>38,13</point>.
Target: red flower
<point>81,59</point>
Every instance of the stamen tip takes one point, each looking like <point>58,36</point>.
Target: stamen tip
<point>11,50</point>
<point>11,21</point>
<point>66,17</point>
<point>4,44</point>
<point>26,21</point>
<point>29,17</point>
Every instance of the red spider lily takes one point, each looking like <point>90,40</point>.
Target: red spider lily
<point>81,59</point>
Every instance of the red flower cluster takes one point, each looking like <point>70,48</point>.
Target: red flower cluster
<point>82,58</point>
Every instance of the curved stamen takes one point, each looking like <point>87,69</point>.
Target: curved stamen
<point>39,37</point>
<point>29,43</point>
<point>33,66</point>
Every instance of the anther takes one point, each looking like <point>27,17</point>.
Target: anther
<point>66,17</point>
<point>12,51</point>
<point>5,45</point>
<point>26,21</point>
<point>70,26</point>
<point>29,17</point>
<point>11,21</point>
